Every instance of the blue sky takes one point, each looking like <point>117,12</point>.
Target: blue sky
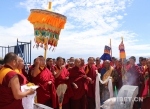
<point>90,25</point>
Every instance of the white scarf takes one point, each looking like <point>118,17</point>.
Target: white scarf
<point>97,89</point>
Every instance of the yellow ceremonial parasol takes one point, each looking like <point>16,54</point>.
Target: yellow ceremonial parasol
<point>47,27</point>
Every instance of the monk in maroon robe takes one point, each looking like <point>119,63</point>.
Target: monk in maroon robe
<point>118,69</point>
<point>29,72</point>
<point>133,73</point>
<point>83,65</point>
<point>146,87</point>
<point>133,77</point>
<point>46,93</point>
<point>79,86</point>
<point>64,61</point>
<point>50,65</point>
<point>90,71</point>
<point>98,64</point>
<point>62,77</point>
<point>20,69</point>
<point>70,64</point>
<point>113,62</point>
<point>10,84</point>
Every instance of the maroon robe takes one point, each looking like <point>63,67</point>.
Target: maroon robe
<point>46,94</point>
<point>145,91</point>
<point>25,73</point>
<point>29,73</point>
<point>99,68</point>
<point>91,87</point>
<point>119,82</point>
<point>134,78</point>
<point>61,79</point>
<point>83,67</point>
<point>133,75</point>
<point>68,67</point>
<point>51,68</point>
<point>7,100</point>
<point>25,81</point>
<point>78,101</point>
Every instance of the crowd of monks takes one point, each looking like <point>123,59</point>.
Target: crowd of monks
<point>80,78</point>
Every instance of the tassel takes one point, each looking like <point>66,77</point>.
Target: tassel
<point>37,46</point>
<point>41,45</point>
<point>50,47</point>
<point>53,49</point>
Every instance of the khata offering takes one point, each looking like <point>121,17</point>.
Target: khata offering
<point>31,86</point>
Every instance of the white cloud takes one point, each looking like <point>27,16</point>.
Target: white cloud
<point>90,25</point>
<point>21,30</point>
<point>119,17</point>
<point>125,14</point>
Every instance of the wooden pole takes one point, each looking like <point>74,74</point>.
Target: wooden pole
<point>111,57</point>
<point>45,52</point>
<point>123,67</point>
<point>122,39</point>
<point>111,48</point>
<point>49,8</point>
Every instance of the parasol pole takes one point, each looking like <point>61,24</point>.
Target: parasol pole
<point>49,8</point>
<point>111,48</point>
<point>111,57</point>
<point>122,39</point>
<point>45,52</point>
<point>122,58</point>
<point>123,68</point>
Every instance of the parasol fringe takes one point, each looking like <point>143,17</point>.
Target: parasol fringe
<point>49,19</point>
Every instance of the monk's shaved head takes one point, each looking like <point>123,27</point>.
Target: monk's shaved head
<point>90,58</point>
<point>82,61</point>
<point>19,58</point>
<point>42,61</point>
<point>107,61</point>
<point>11,60</point>
<point>98,58</point>
<point>98,61</point>
<point>91,61</point>
<point>59,61</point>
<point>107,64</point>
<point>72,60</point>
<point>77,62</point>
<point>20,62</point>
<point>10,57</point>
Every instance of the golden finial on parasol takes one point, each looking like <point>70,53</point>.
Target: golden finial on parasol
<point>47,26</point>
